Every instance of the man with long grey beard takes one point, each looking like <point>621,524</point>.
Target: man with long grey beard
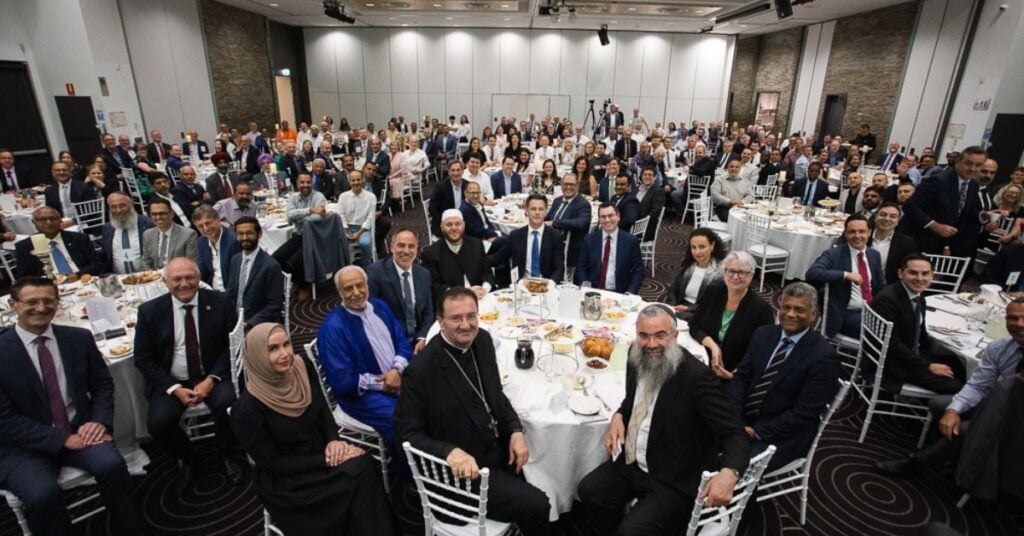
<point>122,235</point>
<point>672,425</point>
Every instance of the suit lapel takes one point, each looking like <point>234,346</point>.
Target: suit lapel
<point>798,353</point>
<point>24,368</point>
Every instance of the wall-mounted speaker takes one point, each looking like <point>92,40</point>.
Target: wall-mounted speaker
<point>602,34</point>
<point>784,8</point>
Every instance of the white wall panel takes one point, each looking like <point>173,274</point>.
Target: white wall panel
<point>707,109</point>
<point>353,106</point>
<point>457,104</point>
<point>486,61</point>
<point>321,104</point>
<point>538,104</point>
<point>653,109</point>
<point>348,58</point>
<point>376,60</point>
<point>711,70</point>
<point>515,61</point>
<point>434,104</point>
<point>431,70</point>
<point>407,104</point>
<point>458,61</point>
<point>579,107</point>
<point>601,69</point>
<point>322,73</point>
<point>378,109</point>
<point>678,109</point>
<point>572,73</point>
<point>481,116</point>
<point>656,66</point>
<point>685,58</point>
<point>404,55</point>
<point>810,83</point>
<point>545,54</point>
<point>629,55</point>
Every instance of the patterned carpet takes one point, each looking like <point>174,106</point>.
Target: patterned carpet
<point>847,496</point>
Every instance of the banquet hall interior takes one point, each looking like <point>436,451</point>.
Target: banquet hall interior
<point>830,192</point>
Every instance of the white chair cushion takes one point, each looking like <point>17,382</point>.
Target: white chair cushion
<point>914,391</point>
<point>717,225</point>
<point>345,420</point>
<point>843,340</point>
<point>198,410</point>
<point>494,528</point>
<point>759,250</point>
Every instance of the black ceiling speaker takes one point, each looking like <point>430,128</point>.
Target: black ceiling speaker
<point>602,34</point>
<point>784,8</point>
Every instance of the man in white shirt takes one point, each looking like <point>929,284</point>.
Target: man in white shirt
<point>475,174</point>
<point>357,208</point>
<point>748,170</point>
<point>730,191</point>
<point>216,245</point>
<point>162,190</point>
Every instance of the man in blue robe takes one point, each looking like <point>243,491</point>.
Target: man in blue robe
<point>363,350</point>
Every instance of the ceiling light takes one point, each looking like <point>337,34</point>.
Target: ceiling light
<point>405,25</point>
<point>391,18</point>
<point>572,14</point>
<point>613,22</point>
<point>437,5</point>
<point>504,5</point>
<point>507,19</point>
<point>449,18</point>
<point>631,9</point>
<point>370,5</point>
<point>273,5</point>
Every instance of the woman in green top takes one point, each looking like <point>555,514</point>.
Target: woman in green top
<point>727,312</point>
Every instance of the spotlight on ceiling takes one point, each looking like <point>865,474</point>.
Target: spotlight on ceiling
<point>572,14</point>
<point>602,35</point>
<point>707,29</point>
<point>336,11</point>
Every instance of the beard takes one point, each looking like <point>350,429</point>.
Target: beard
<point>129,221</point>
<point>655,368</point>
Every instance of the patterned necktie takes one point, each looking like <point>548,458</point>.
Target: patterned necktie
<point>51,384</point>
<point>163,248</point>
<point>535,255</point>
<point>65,200</point>
<point>603,274</point>
<point>643,406</point>
<point>126,245</point>
<point>243,281</point>
<point>410,309</point>
<point>195,365</point>
<point>963,197</point>
<point>754,400</point>
<point>10,181</point>
<point>865,284</point>
<point>59,260</point>
<point>227,185</point>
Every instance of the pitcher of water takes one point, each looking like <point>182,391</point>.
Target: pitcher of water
<point>109,286</point>
<point>591,306</point>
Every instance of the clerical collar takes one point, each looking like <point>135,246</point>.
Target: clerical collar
<point>452,346</point>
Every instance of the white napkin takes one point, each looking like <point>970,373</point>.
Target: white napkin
<point>609,389</point>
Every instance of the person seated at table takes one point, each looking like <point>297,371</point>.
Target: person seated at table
<point>447,194</point>
<point>166,239</point>
<point>942,216</point>
<point>810,190</point>
<point>727,312</point>
<point>65,191</point>
<point>162,190</point>
<point>189,194</point>
<point>610,258</point>
<point>303,471</point>
<point>702,266</point>
<point>181,349</point>
<point>704,166</point>
<point>246,155</point>
<point>671,396</point>
<point>478,224</point>
<point>174,160</point>
<point>854,275</point>
<point>506,181</point>
<point>71,253</point>
<point>215,247</point>
<point>469,436</point>
<point>870,201</point>
<point>570,216</point>
<point>606,186</point>
<point>14,177</point>
<point>652,201</point>
<point>121,238</point>
<point>535,249</point>
<point>237,206</point>
<point>364,349</point>
<point>357,208</point>
<point>256,282</point>
<point>626,203</point>
<point>730,191</point>
<point>221,183</point>
<point>1006,268</point>
<point>404,286</point>
<point>999,360</point>
<point>850,198</point>
<point>891,245</point>
<point>58,400</point>
<point>457,260</point>
<point>787,377</point>
<point>909,359</point>
<point>308,204</point>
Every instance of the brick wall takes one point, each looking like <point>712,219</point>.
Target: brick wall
<point>243,84</point>
<point>866,64</point>
<point>765,63</point>
<point>741,84</point>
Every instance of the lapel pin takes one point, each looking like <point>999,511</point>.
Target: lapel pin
<point>207,307</point>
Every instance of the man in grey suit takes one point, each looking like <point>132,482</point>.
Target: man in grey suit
<point>168,239</point>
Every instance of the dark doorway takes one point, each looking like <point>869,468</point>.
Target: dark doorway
<point>79,121</point>
<point>21,125</point>
<point>1006,144</point>
<point>832,119</point>
<point>730,114</point>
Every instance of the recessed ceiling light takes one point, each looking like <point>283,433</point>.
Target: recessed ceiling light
<point>504,5</point>
<point>506,18</point>
<point>273,5</point>
<point>370,5</point>
<point>631,8</point>
<point>613,21</point>
<point>405,25</point>
<point>391,18</point>
<point>449,18</point>
<point>437,5</point>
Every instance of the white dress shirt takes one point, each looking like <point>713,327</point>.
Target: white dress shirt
<point>28,338</point>
<point>484,180</point>
<point>179,363</point>
<point>121,255</point>
<point>357,209</point>
<point>882,246</point>
<point>609,277</point>
<point>218,277</point>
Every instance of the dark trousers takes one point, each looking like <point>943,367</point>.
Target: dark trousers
<point>289,256</point>
<point>922,377</point>
<point>34,482</point>
<point>607,490</point>
<point>513,500</point>
<point>165,411</point>
<point>722,211</point>
<point>850,323</point>
<point>380,235</point>
<point>943,450</point>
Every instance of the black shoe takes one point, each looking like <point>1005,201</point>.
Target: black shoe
<point>186,478</point>
<point>232,470</point>
<point>908,466</point>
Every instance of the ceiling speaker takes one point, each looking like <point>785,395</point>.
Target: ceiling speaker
<point>784,8</point>
<point>602,34</point>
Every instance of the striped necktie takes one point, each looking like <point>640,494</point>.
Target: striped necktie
<point>753,406</point>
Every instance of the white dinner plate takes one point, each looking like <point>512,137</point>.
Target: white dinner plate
<point>581,404</point>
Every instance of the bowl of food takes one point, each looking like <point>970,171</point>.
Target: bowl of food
<point>141,278</point>
<point>614,315</point>
<point>597,347</point>
<point>489,316</point>
<point>535,285</point>
<point>828,202</point>
<point>596,364</point>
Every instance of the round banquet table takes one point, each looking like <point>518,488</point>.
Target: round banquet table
<point>564,446</point>
<point>963,325</point>
<point>506,215</point>
<point>803,240</point>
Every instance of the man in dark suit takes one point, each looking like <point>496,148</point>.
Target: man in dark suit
<point>71,254</point>
<point>652,200</point>
<point>457,260</point>
<point>536,249</point>
<point>447,145</point>
<point>66,191</point>
<point>194,147</point>
<point>256,283</point>
<point>625,147</point>
<point>570,216</point>
<point>121,238</point>
<point>506,181</point>
<point>14,177</point>
<point>864,137</point>
<point>854,275</point>
<point>181,349</point>
<point>909,359</point>
<point>1006,268</point>
<point>810,190</point>
<point>891,244</point>
<point>478,224</point>
<point>157,150</point>
<point>448,194</point>
<point>626,203</point>
<point>771,167</point>
<point>802,376</point>
<point>188,193</point>
<point>611,258</point>
<point>891,159</point>
<point>405,287</point>
<point>116,158</point>
<point>674,423</point>
<point>613,118</point>
<point>452,406</point>
<point>379,157</point>
<point>58,410</point>
<point>221,183</point>
<point>246,156</point>
<point>215,246</point>
<point>946,210</point>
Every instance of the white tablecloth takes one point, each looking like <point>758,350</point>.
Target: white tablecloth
<point>804,245</point>
<point>564,447</point>
<point>955,327</point>
<point>508,217</point>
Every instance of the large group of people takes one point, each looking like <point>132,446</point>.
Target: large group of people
<point>769,377</point>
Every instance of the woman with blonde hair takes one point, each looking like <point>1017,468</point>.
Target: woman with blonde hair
<point>399,175</point>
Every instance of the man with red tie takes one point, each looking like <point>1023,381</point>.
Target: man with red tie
<point>854,275</point>
<point>611,258</point>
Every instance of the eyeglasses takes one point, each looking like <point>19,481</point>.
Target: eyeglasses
<point>36,302</point>
<point>729,272</point>
<point>660,336</point>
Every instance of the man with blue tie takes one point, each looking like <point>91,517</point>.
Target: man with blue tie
<point>810,190</point>
<point>535,249</point>
<point>570,216</point>
<point>256,283</point>
<point>611,258</point>
<point>506,181</point>
<point>405,287</point>
<point>122,235</point>
<point>58,409</point>
<point>71,254</point>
